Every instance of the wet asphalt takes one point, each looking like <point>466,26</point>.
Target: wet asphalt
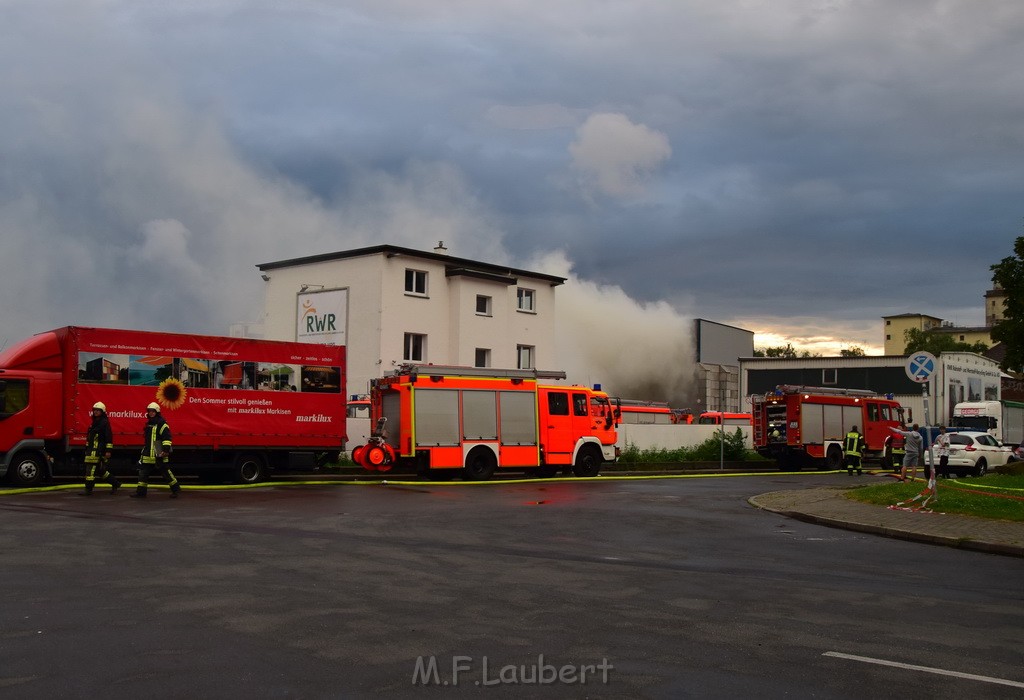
<point>649,588</point>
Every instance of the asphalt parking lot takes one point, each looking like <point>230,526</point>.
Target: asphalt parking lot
<point>659,588</point>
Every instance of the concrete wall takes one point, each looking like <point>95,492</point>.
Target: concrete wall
<point>672,437</point>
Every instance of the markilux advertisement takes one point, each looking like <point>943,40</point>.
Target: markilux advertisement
<point>209,386</point>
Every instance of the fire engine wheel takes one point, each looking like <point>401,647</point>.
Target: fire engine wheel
<point>250,468</point>
<point>834,458</point>
<point>480,464</point>
<point>28,469</point>
<point>588,461</point>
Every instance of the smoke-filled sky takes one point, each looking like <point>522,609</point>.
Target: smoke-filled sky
<point>799,168</point>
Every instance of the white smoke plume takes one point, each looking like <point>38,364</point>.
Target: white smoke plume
<point>634,350</point>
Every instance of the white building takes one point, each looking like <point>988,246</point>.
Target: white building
<point>391,305</point>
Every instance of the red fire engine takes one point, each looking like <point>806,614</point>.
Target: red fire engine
<point>805,426</point>
<point>444,420</point>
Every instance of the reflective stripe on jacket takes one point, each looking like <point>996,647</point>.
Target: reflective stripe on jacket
<point>854,443</point>
<point>98,440</point>
<point>157,439</point>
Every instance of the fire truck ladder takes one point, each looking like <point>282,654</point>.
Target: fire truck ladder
<point>459,371</point>
<point>826,390</point>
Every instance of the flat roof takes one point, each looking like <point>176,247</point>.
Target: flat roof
<point>390,250</point>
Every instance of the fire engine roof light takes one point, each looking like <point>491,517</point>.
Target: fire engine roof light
<point>597,387</point>
<point>890,396</point>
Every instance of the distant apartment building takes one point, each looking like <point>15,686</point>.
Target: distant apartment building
<point>896,326</point>
<point>391,305</point>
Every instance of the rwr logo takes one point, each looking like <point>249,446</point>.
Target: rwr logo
<point>320,324</point>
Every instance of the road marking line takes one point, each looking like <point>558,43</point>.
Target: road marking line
<point>927,669</point>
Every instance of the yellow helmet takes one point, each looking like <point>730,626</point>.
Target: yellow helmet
<point>100,405</point>
<point>153,406</point>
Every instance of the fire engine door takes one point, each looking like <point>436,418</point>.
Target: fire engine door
<point>567,417</point>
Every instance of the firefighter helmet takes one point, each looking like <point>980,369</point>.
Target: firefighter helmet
<point>153,406</point>
<point>100,405</point>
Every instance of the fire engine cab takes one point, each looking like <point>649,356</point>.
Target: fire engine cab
<point>445,420</point>
<point>801,426</point>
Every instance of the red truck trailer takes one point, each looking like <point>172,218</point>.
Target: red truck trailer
<point>233,404</point>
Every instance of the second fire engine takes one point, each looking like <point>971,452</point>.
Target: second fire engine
<point>801,426</point>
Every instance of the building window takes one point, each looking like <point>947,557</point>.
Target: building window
<point>415,347</point>
<point>829,376</point>
<point>888,337</point>
<point>524,356</point>
<point>961,338</point>
<point>888,322</point>
<point>526,300</point>
<point>416,282</point>
<point>483,358</point>
<point>483,305</point>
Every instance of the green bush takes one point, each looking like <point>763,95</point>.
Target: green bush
<point>708,451</point>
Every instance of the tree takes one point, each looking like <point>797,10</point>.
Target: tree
<point>852,351</point>
<point>780,351</point>
<point>1009,274</point>
<point>937,343</point>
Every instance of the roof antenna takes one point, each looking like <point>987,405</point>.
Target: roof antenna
<point>440,249</point>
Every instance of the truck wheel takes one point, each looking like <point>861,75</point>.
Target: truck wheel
<point>480,464</point>
<point>834,458</point>
<point>588,461</point>
<point>250,468</point>
<point>28,469</point>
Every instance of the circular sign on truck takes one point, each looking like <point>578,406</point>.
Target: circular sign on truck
<point>920,366</point>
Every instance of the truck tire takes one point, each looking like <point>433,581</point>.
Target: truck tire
<point>28,469</point>
<point>588,461</point>
<point>250,468</point>
<point>833,459</point>
<point>480,464</point>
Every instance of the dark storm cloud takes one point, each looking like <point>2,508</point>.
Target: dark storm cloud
<point>794,163</point>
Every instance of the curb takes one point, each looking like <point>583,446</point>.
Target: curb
<point>895,533</point>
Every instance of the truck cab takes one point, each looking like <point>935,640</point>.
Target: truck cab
<point>30,401</point>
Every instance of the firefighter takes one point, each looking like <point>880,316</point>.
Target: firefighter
<point>854,448</point>
<point>898,450</point>
<point>156,451</point>
<point>99,441</point>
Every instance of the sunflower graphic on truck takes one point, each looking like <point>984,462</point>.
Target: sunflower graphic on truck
<point>171,394</point>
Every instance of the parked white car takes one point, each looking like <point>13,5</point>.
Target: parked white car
<point>973,452</point>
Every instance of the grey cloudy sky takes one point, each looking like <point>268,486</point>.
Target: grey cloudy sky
<point>799,166</point>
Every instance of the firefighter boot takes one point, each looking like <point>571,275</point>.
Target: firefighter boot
<point>140,491</point>
<point>114,485</point>
<point>174,490</point>
<point>88,488</point>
